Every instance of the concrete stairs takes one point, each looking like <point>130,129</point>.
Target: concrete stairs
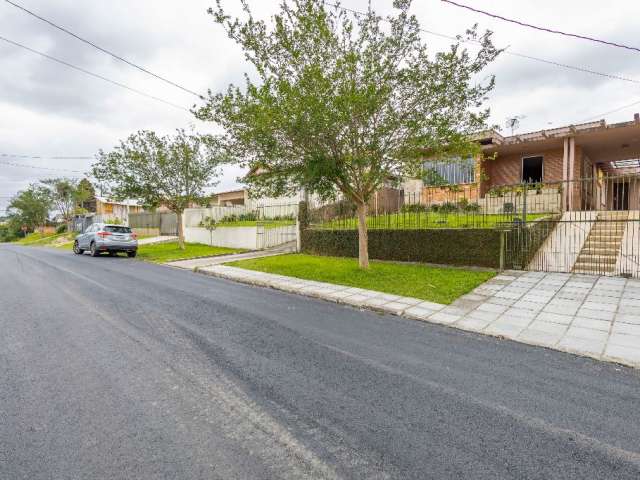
<point>600,251</point>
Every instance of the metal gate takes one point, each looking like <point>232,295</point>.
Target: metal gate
<point>276,225</point>
<point>597,231</point>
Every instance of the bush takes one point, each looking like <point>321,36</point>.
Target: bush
<point>61,228</point>
<point>472,207</point>
<point>464,247</point>
<point>413,208</point>
<point>508,207</point>
<point>448,207</point>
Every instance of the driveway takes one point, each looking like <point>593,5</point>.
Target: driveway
<point>114,368</point>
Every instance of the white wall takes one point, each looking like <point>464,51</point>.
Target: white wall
<point>232,237</point>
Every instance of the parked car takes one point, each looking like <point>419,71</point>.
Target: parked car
<point>101,237</point>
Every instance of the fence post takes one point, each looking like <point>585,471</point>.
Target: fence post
<point>503,235</point>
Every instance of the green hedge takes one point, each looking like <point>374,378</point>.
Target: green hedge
<point>469,247</point>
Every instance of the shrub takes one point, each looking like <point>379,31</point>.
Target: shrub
<point>413,208</point>
<point>448,207</point>
<point>508,207</point>
<point>472,207</point>
<point>61,228</point>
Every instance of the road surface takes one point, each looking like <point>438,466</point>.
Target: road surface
<point>117,369</point>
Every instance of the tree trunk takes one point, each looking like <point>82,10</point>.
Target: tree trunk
<point>180,231</point>
<point>363,237</point>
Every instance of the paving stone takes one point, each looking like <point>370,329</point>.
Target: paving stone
<point>520,321</point>
<point>408,300</point>
<point>525,305</point>
<point>355,299</point>
<point>505,277</point>
<point>623,354</point>
<point>394,307</point>
<point>623,340</point>
<point>587,333</point>
<point>501,301</point>
<point>520,313</point>
<point>555,318</point>
<point>446,318</point>
<point>431,306</point>
<point>581,346</point>
<point>628,318</point>
<point>599,306</point>
<point>473,297</point>
<point>472,324</point>
<point>595,314</point>
<point>389,297</point>
<point>511,295</point>
<point>601,299</point>
<point>561,309</point>
<point>417,312</point>
<point>626,329</point>
<point>483,315</point>
<point>376,301</point>
<point>548,327</point>
<point>602,325</point>
<point>492,307</point>
<point>452,310</point>
<point>504,329</point>
<point>539,338</point>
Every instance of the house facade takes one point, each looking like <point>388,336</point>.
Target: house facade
<point>590,166</point>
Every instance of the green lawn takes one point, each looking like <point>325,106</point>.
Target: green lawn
<point>414,220</point>
<point>42,240</point>
<point>436,284</point>
<point>169,252</point>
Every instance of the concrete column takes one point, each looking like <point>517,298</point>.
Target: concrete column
<point>565,175</point>
<point>572,161</point>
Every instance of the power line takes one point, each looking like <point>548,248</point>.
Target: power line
<point>611,111</point>
<point>121,85</point>
<point>543,29</point>
<point>45,157</point>
<point>36,167</point>
<point>514,53</point>
<point>104,50</point>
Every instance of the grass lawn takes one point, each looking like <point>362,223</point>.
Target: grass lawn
<point>436,284</point>
<point>414,220</point>
<point>169,252</point>
<point>43,240</point>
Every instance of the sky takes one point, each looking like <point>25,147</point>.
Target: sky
<point>49,110</point>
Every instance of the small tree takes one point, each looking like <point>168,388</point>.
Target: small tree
<point>30,207</point>
<point>344,102</point>
<point>63,193</point>
<point>169,171</point>
<point>210,224</point>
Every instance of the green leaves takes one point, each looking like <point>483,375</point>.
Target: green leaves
<point>170,170</point>
<point>344,101</point>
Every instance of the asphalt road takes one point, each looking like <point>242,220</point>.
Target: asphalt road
<point>111,368</point>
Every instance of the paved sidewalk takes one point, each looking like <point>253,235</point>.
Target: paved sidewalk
<point>593,316</point>
<point>198,263</point>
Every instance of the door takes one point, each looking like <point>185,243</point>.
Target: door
<point>621,196</point>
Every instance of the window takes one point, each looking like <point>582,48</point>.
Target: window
<point>116,229</point>
<point>449,172</point>
<point>532,169</point>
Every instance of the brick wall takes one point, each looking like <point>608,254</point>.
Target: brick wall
<point>507,169</point>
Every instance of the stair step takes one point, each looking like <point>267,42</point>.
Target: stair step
<point>597,258</point>
<point>593,267</point>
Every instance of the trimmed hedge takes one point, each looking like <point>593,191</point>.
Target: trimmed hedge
<point>465,247</point>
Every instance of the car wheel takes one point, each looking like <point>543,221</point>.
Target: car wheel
<point>94,251</point>
<point>76,248</point>
<point>132,254</point>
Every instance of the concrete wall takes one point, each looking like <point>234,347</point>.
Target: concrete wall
<point>232,237</point>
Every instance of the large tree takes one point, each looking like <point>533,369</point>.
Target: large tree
<point>342,102</point>
<point>30,207</point>
<point>172,170</point>
<point>64,196</point>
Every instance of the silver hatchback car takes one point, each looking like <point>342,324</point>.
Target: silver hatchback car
<point>101,237</point>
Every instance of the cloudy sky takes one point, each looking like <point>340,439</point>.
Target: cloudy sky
<point>50,110</point>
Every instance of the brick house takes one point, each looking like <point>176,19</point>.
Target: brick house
<point>590,166</point>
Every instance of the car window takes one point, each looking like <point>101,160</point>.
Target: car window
<point>115,229</point>
<point>90,229</point>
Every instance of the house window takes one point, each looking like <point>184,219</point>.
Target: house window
<point>449,172</point>
<point>532,169</point>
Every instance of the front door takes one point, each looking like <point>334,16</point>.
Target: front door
<point>621,196</point>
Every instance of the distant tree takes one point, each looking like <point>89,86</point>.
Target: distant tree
<point>30,207</point>
<point>85,195</point>
<point>64,196</point>
<point>343,102</point>
<point>171,170</point>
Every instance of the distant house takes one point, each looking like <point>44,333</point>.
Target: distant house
<point>108,209</point>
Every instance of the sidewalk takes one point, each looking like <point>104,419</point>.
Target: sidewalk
<point>598,317</point>
<point>198,263</point>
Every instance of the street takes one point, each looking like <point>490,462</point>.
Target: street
<point>118,369</point>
